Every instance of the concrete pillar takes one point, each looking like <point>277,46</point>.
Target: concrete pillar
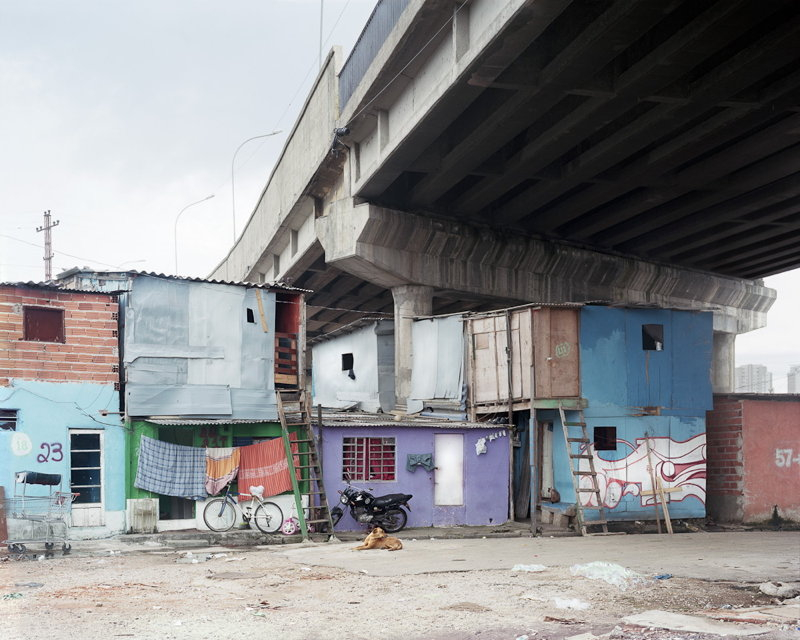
<point>409,301</point>
<point>723,363</point>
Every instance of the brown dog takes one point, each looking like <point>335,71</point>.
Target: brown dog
<point>377,539</point>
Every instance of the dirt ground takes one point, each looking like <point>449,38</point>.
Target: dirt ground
<point>276,592</point>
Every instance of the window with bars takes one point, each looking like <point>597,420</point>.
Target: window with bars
<point>369,459</point>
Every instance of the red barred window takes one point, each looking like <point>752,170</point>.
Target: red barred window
<point>368,459</point>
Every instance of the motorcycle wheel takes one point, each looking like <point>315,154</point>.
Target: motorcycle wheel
<point>394,520</point>
<point>336,515</point>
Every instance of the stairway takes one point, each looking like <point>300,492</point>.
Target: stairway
<point>293,411</point>
<point>579,447</point>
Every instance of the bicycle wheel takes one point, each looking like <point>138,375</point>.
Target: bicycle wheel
<point>268,517</point>
<point>219,514</point>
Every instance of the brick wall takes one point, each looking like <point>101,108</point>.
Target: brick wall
<point>89,352</point>
<point>725,474</point>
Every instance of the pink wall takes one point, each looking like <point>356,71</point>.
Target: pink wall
<point>771,453</point>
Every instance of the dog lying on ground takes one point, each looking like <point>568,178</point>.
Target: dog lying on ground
<point>377,539</point>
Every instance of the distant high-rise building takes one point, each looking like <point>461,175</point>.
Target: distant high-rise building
<point>793,385</point>
<point>753,378</point>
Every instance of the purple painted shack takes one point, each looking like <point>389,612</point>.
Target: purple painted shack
<point>458,472</point>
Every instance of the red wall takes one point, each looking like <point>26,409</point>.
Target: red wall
<point>89,352</point>
<point>772,459</point>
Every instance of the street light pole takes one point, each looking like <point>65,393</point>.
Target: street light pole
<point>233,190</point>
<point>175,232</point>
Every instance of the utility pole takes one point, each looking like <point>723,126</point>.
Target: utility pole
<point>48,245</point>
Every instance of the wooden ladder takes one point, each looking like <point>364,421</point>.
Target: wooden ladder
<point>293,411</point>
<point>580,448</point>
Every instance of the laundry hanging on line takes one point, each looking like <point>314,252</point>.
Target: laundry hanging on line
<point>264,464</point>
<point>222,466</point>
<point>171,469</point>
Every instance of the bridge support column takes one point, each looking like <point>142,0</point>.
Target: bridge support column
<point>409,301</point>
<point>723,360</point>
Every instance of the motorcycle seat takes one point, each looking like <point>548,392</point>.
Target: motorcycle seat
<point>390,498</point>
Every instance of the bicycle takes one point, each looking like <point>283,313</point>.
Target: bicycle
<point>219,514</point>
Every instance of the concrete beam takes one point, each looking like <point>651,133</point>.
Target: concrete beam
<point>393,248</point>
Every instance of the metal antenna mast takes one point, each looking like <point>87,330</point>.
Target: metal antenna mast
<point>48,245</point>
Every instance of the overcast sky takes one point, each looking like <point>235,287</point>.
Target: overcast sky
<point>115,115</point>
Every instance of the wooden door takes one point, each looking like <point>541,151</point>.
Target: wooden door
<point>556,353</point>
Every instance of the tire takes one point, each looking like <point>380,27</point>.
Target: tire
<point>336,515</point>
<point>219,514</point>
<point>268,517</point>
<point>394,520</point>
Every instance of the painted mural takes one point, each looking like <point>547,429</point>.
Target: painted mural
<point>679,464</point>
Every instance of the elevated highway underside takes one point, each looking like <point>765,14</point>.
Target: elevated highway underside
<point>667,132</point>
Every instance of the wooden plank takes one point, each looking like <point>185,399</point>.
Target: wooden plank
<point>284,378</point>
<point>261,313</point>
<point>652,471</point>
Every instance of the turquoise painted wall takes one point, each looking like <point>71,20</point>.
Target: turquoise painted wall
<point>619,378</point>
<point>47,411</point>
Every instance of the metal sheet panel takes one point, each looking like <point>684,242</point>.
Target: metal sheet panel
<point>184,400</point>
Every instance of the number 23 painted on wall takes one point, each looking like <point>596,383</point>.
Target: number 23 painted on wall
<point>53,449</point>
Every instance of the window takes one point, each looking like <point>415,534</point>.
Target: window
<point>86,454</point>
<point>8,419</point>
<point>41,324</point>
<point>276,265</point>
<point>653,337</point>
<point>251,317</point>
<point>368,459</point>
<point>295,241</point>
<point>605,438</point>
<point>347,361</point>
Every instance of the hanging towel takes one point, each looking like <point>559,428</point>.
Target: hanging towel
<point>171,469</point>
<point>264,464</point>
<point>222,465</point>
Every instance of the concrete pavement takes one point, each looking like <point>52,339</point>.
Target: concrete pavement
<point>738,556</point>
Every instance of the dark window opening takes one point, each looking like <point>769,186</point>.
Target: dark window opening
<point>251,317</point>
<point>8,419</point>
<point>43,325</point>
<point>605,438</point>
<point>653,337</point>
<point>347,362</point>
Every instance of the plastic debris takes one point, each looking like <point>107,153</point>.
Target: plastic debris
<point>662,576</point>
<point>535,568</point>
<point>571,603</point>
<point>12,596</point>
<point>609,572</point>
<point>525,637</point>
<point>32,585</point>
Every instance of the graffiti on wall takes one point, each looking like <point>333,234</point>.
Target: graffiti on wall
<point>680,465</point>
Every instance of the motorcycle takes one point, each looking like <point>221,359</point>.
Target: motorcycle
<point>385,512</point>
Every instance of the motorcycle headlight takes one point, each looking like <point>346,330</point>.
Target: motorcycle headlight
<point>343,499</point>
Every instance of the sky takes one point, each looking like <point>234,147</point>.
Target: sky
<point>116,116</point>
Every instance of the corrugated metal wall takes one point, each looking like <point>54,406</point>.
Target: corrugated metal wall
<point>379,26</point>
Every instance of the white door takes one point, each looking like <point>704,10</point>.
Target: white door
<point>86,477</point>
<point>448,479</point>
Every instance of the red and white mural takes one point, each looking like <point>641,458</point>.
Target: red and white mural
<point>679,464</point>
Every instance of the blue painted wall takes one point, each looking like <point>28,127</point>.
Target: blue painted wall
<point>47,411</point>
<point>619,378</point>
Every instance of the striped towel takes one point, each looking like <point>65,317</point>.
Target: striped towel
<point>264,464</point>
<point>222,465</point>
<point>171,469</point>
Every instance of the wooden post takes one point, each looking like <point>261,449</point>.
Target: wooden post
<point>652,479</point>
<point>3,522</point>
<point>532,452</point>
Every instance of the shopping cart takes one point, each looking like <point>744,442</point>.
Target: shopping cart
<point>34,519</point>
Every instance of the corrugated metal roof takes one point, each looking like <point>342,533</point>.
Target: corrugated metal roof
<point>252,285</point>
<point>362,419</point>
<point>52,286</point>
<point>178,422</point>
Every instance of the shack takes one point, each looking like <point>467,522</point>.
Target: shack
<point>202,360</point>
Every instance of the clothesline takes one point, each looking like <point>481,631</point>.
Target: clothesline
<point>196,472</point>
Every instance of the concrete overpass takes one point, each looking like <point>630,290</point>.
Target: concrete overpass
<point>472,155</point>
